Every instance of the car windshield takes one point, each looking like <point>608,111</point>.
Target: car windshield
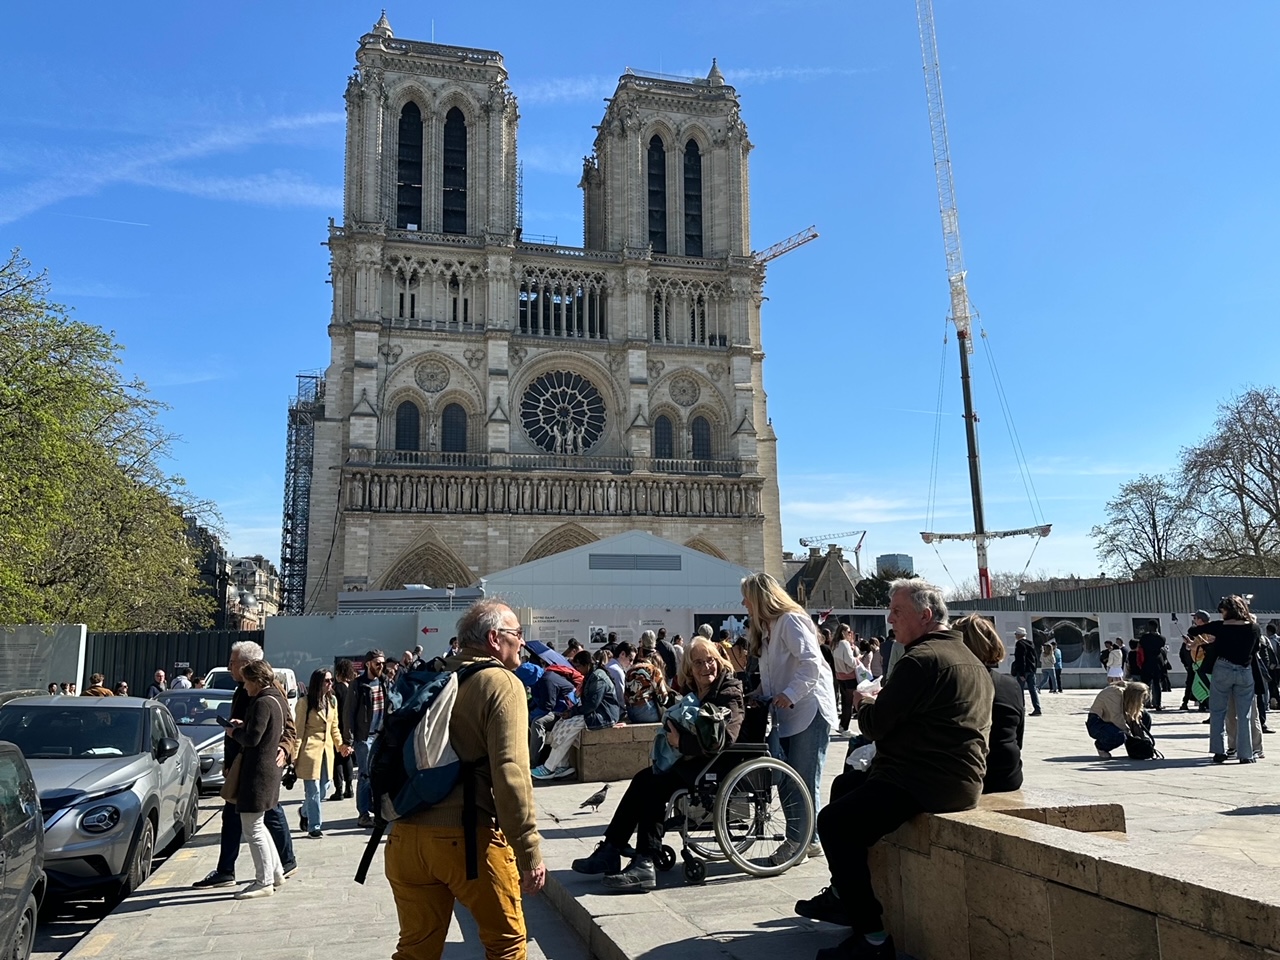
<point>200,708</point>
<point>53,732</point>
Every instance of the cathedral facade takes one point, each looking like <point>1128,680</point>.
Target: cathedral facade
<point>491,401</point>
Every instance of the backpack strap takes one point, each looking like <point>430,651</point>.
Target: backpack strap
<point>370,848</point>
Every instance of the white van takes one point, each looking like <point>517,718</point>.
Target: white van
<point>219,678</point>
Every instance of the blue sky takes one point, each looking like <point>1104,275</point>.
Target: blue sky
<point>173,166</point>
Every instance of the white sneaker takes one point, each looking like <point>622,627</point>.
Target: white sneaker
<point>278,882</point>
<point>255,890</point>
<point>784,854</point>
<point>815,850</point>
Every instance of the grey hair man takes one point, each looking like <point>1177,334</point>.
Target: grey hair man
<point>224,874</point>
<point>930,726</point>
<point>427,853</point>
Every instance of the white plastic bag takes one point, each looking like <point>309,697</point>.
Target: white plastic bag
<point>870,687</point>
<point>860,758</point>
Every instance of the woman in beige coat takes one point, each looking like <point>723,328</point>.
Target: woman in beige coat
<point>316,720</point>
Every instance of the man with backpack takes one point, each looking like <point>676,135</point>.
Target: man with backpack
<point>427,851</point>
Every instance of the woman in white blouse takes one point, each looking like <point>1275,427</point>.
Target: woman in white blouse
<point>797,684</point>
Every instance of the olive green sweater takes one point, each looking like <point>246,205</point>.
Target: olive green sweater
<point>490,728</point>
<point>930,723</point>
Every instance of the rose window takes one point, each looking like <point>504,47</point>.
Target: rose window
<point>562,413</point>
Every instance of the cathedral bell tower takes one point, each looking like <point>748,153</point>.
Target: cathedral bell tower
<point>491,401</point>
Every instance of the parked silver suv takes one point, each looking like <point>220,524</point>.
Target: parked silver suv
<point>116,784</point>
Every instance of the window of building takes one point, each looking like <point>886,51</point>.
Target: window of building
<point>409,169</point>
<point>701,430</point>
<point>663,441</point>
<point>692,200</point>
<point>453,429</point>
<point>407,420</point>
<point>455,172</point>
<point>657,171</point>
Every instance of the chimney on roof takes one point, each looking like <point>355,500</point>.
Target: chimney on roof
<point>815,553</point>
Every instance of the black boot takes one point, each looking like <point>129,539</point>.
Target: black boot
<point>639,876</point>
<point>606,858</point>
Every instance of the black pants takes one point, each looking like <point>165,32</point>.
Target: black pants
<point>643,808</point>
<point>344,780</point>
<point>846,688</point>
<point>1153,684</point>
<point>1187,695</point>
<point>861,811</point>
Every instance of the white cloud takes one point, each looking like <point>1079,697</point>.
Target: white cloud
<point>85,174</point>
<point>280,188</point>
<point>560,161</point>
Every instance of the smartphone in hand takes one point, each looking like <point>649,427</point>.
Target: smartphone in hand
<point>224,722</point>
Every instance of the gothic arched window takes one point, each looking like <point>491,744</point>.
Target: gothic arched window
<point>407,420</point>
<point>692,200</point>
<point>701,431</point>
<point>455,172</point>
<point>453,429</point>
<point>657,172</point>
<point>409,169</point>
<point>663,443</point>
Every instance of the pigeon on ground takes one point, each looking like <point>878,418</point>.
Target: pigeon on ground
<point>595,799</point>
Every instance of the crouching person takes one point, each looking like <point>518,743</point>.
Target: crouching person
<point>426,859</point>
<point>1113,708</point>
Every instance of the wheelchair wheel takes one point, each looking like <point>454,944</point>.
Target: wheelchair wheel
<point>695,871</point>
<point>750,817</point>
<point>666,858</point>
<point>696,815</point>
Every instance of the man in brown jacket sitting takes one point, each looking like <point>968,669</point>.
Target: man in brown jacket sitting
<point>426,851</point>
<point>929,724</point>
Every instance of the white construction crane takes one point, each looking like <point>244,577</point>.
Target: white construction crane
<point>832,537</point>
<point>961,312</point>
<point>786,246</point>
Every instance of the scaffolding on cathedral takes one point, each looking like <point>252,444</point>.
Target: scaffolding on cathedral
<point>299,456</point>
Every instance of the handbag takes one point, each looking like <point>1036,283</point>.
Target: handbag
<point>231,780</point>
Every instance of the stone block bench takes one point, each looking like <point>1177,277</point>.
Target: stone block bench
<point>614,753</point>
<point>1041,876</point>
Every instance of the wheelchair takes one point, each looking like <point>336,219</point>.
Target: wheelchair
<point>734,812</point>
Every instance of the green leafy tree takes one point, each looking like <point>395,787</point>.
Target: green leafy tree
<point>873,590</point>
<point>91,527</point>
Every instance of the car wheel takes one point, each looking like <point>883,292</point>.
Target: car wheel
<point>24,936</point>
<point>144,852</point>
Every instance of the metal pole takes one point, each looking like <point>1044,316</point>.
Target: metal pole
<point>975,471</point>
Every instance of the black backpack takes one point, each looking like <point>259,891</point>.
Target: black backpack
<point>1139,743</point>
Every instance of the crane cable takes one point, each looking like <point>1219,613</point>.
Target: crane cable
<point>1024,470</point>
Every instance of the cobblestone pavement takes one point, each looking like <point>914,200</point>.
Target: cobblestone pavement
<point>1180,801</point>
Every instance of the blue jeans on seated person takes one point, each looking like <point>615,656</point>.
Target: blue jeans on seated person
<point>1106,736</point>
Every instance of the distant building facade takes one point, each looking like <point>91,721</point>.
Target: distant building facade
<point>491,401</point>
<point>891,562</point>
<point>822,579</point>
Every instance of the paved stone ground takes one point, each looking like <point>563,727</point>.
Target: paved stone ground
<point>1180,801</point>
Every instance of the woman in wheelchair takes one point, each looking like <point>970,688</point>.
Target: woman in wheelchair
<point>680,754</point>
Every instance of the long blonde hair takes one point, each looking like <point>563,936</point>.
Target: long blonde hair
<point>1134,697</point>
<point>766,601</point>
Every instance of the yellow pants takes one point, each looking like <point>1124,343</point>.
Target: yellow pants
<point>427,869</point>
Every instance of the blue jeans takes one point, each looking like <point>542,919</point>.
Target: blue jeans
<point>316,791</point>
<point>1047,676</point>
<point>1029,684</point>
<point>1231,681</point>
<point>232,833</point>
<point>1106,736</point>
<point>364,792</point>
<point>645,714</point>
<point>806,752</point>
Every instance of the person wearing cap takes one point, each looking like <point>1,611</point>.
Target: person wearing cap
<point>1024,667</point>
<point>1187,653</point>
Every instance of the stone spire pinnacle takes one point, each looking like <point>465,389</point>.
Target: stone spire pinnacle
<point>383,27</point>
<point>715,77</point>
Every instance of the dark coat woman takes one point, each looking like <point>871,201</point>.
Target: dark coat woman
<point>642,810</point>
<point>258,736</point>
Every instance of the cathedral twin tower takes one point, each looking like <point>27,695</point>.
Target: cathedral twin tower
<point>491,401</point>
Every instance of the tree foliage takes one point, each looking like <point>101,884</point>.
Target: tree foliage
<point>91,527</point>
<point>1219,513</point>
<point>873,590</point>
<point>1004,583</point>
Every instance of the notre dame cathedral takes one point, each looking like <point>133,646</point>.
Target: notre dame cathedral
<point>491,400</point>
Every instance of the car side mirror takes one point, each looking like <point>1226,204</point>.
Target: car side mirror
<point>166,748</point>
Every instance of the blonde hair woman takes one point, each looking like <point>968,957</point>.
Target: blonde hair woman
<point>1113,708</point>
<point>797,684</point>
